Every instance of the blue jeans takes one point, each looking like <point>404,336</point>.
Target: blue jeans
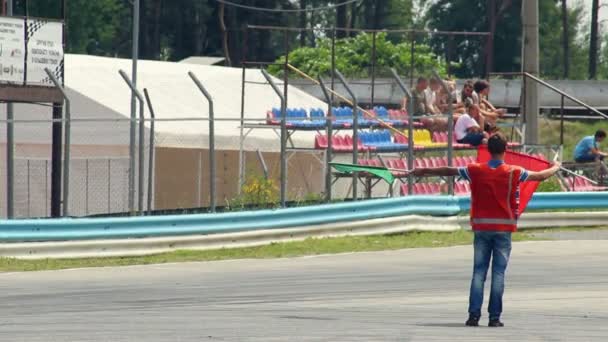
<point>495,245</point>
<point>473,139</point>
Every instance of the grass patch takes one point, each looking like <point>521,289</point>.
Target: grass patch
<point>310,246</point>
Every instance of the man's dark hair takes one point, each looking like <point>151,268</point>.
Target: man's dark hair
<point>600,133</point>
<point>480,85</point>
<point>421,79</point>
<point>434,80</point>
<point>497,144</point>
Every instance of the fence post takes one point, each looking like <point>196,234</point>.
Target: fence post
<point>142,130</point>
<point>67,143</point>
<point>283,160</point>
<point>211,140</point>
<point>152,152</point>
<point>355,129</point>
<point>410,130</point>
<point>328,153</point>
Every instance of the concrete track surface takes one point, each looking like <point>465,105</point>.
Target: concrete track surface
<point>556,291</point>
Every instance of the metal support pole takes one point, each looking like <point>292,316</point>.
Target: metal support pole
<point>283,160</point>
<point>242,136</point>
<point>412,53</point>
<point>262,163</point>
<point>67,143</point>
<point>10,146</point>
<point>410,130</point>
<point>86,187</point>
<point>373,68</point>
<point>242,128</point>
<point>211,140</point>
<point>56,160</point>
<point>355,129</point>
<point>132,127</point>
<point>152,152</point>
<point>561,124</point>
<point>329,130</point>
<point>450,130</point>
<point>142,131</point>
<point>333,65</point>
<point>29,190</point>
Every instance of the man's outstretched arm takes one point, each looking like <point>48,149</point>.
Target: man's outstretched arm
<point>444,171</point>
<point>542,175</point>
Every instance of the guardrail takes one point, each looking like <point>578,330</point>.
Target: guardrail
<point>251,221</point>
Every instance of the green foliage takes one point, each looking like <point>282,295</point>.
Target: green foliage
<point>550,185</point>
<point>257,192</point>
<point>354,57</point>
<point>551,42</point>
<point>93,27</point>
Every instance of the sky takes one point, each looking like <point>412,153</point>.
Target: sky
<point>587,4</point>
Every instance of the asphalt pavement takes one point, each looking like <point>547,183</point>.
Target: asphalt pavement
<point>556,291</point>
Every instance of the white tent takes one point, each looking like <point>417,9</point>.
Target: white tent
<point>98,92</point>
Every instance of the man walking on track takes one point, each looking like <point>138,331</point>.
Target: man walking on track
<point>494,214</point>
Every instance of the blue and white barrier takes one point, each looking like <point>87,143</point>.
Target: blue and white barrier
<point>249,221</point>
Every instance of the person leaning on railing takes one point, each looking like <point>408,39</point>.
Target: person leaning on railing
<point>588,151</point>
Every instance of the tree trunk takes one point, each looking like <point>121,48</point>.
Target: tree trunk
<point>489,65</point>
<point>566,39</point>
<point>224,35</point>
<point>341,21</point>
<point>303,15</point>
<point>595,8</point>
<point>156,35</point>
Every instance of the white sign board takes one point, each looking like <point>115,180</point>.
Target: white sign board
<point>44,50</point>
<point>12,50</point>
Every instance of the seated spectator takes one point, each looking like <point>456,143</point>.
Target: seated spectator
<point>467,93</point>
<point>468,129</point>
<point>432,98</point>
<point>587,149</point>
<point>419,100</point>
<point>480,96</point>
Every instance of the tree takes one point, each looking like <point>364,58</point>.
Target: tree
<point>472,16</point>
<point>565,39</point>
<point>594,39</point>
<point>353,57</point>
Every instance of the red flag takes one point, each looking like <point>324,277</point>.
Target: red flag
<point>528,162</point>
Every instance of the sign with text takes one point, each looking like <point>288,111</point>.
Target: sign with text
<point>12,50</point>
<point>44,50</point>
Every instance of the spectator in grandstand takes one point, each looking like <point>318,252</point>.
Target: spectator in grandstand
<point>467,92</point>
<point>419,100</point>
<point>494,214</point>
<point>587,149</point>
<point>432,100</point>
<point>468,127</point>
<point>480,95</point>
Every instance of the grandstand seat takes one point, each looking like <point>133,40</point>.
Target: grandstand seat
<point>321,142</point>
<point>380,141</point>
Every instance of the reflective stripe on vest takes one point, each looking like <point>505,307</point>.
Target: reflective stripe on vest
<point>492,221</point>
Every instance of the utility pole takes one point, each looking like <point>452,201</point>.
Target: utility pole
<point>530,65</point>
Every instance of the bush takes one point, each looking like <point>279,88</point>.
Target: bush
<point>550,185</point>
<point>257,193</point>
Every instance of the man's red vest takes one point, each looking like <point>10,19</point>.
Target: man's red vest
<point>494,197</point>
